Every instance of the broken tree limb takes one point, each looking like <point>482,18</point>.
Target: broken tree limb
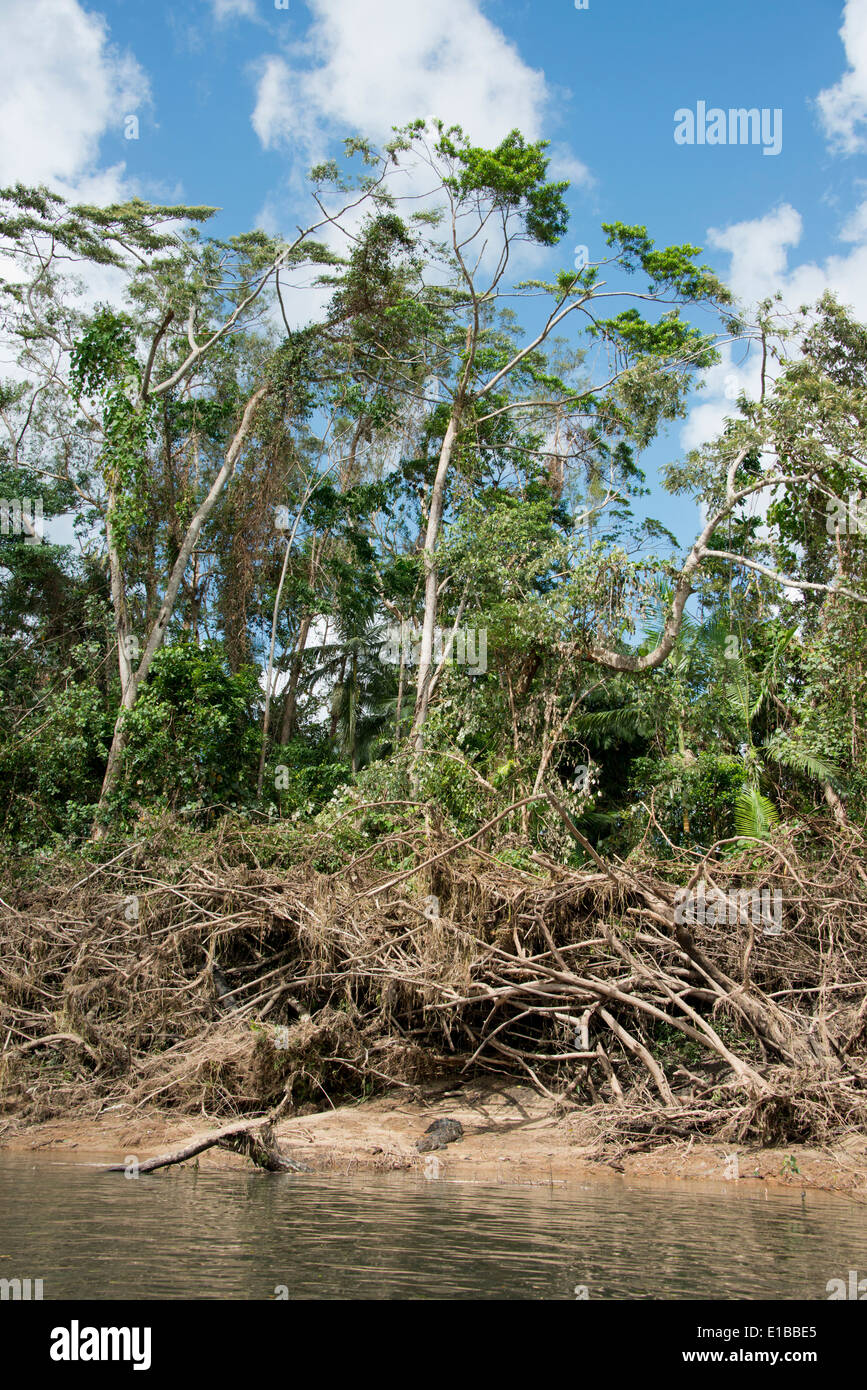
<point>50,1039</point>
<point>256,1141</point>
<point>576,835</point>
<point>639,1050</point>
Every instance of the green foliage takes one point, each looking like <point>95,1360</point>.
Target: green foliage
<point>304,776</point>
<point>192,737</point>
<point>672,270</point>
<point>695,803</point>
<point>536,545</point>
<point>512,176</point>
<point>755,815</point>
<point>50,777</point>
<point>104,367</point>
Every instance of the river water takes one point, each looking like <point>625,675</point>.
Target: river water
<point>190,1234</point>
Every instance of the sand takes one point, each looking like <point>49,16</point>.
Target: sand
<point>510,1136</point>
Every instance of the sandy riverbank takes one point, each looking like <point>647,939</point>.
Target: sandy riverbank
<point>510,1135</point>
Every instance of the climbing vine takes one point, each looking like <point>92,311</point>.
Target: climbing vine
<point>105,368</point>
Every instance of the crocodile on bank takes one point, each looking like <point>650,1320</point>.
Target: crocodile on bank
<point>440,1133</point>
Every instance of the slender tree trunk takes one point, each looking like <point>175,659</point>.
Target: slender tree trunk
<point>308,493</point>
<point>400,684</point>
<point>260,780</point>
<point>287,725</point>
<point>118,600</point>
<point>340,679</point>
<point>431,588</point>
<point>837,807</point>
<point>353,712</point>
<point>551,737</point>
<point>158,630</point>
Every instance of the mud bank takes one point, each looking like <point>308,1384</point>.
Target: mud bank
<point>510,1136</point>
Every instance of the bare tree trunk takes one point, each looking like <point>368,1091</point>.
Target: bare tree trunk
<point>549,743</point>
<point>434,523</point>
<point>353,712</point>
<point>268,674</point>
<point>400,685</point>
<point>118,600</point>
<point>837,807</point>
<point>287,724</point>
<point>312,485</point>
<point>253,1138</point>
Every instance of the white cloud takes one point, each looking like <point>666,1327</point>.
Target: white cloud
<point>234,9</point>
<point>275,114</point>
<point>843,107</point>
<point>723,384</point>
<point>363,69</point>
<point>62,86</point>
<point>760,253</point>
<point>855,226</point>
<point>564,165</point>
<point>374,65</point>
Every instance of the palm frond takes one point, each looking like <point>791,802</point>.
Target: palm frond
<point>739,695</point>
<point>627,722</point>
<point>755,815</point>
<point>803,760</point>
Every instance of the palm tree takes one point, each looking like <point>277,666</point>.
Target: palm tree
<point>362,696</point>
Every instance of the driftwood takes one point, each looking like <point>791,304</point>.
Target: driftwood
<point>257,1141</point>
<point>346,974</point>
<point>50,1039</point>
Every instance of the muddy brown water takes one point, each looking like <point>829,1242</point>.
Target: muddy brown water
<point>188,1234</point>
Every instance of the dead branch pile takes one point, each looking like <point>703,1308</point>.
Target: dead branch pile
<point>230,988</point>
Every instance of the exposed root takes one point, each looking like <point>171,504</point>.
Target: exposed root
<point>238,988</point>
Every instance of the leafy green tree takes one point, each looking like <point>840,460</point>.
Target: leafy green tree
<point>192,736</point>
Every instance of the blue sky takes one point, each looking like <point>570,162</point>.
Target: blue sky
<point>235,98</point>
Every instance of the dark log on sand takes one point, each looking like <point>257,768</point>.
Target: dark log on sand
<point>255,1140</point>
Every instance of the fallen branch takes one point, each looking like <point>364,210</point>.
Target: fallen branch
<point>256,1141</point>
